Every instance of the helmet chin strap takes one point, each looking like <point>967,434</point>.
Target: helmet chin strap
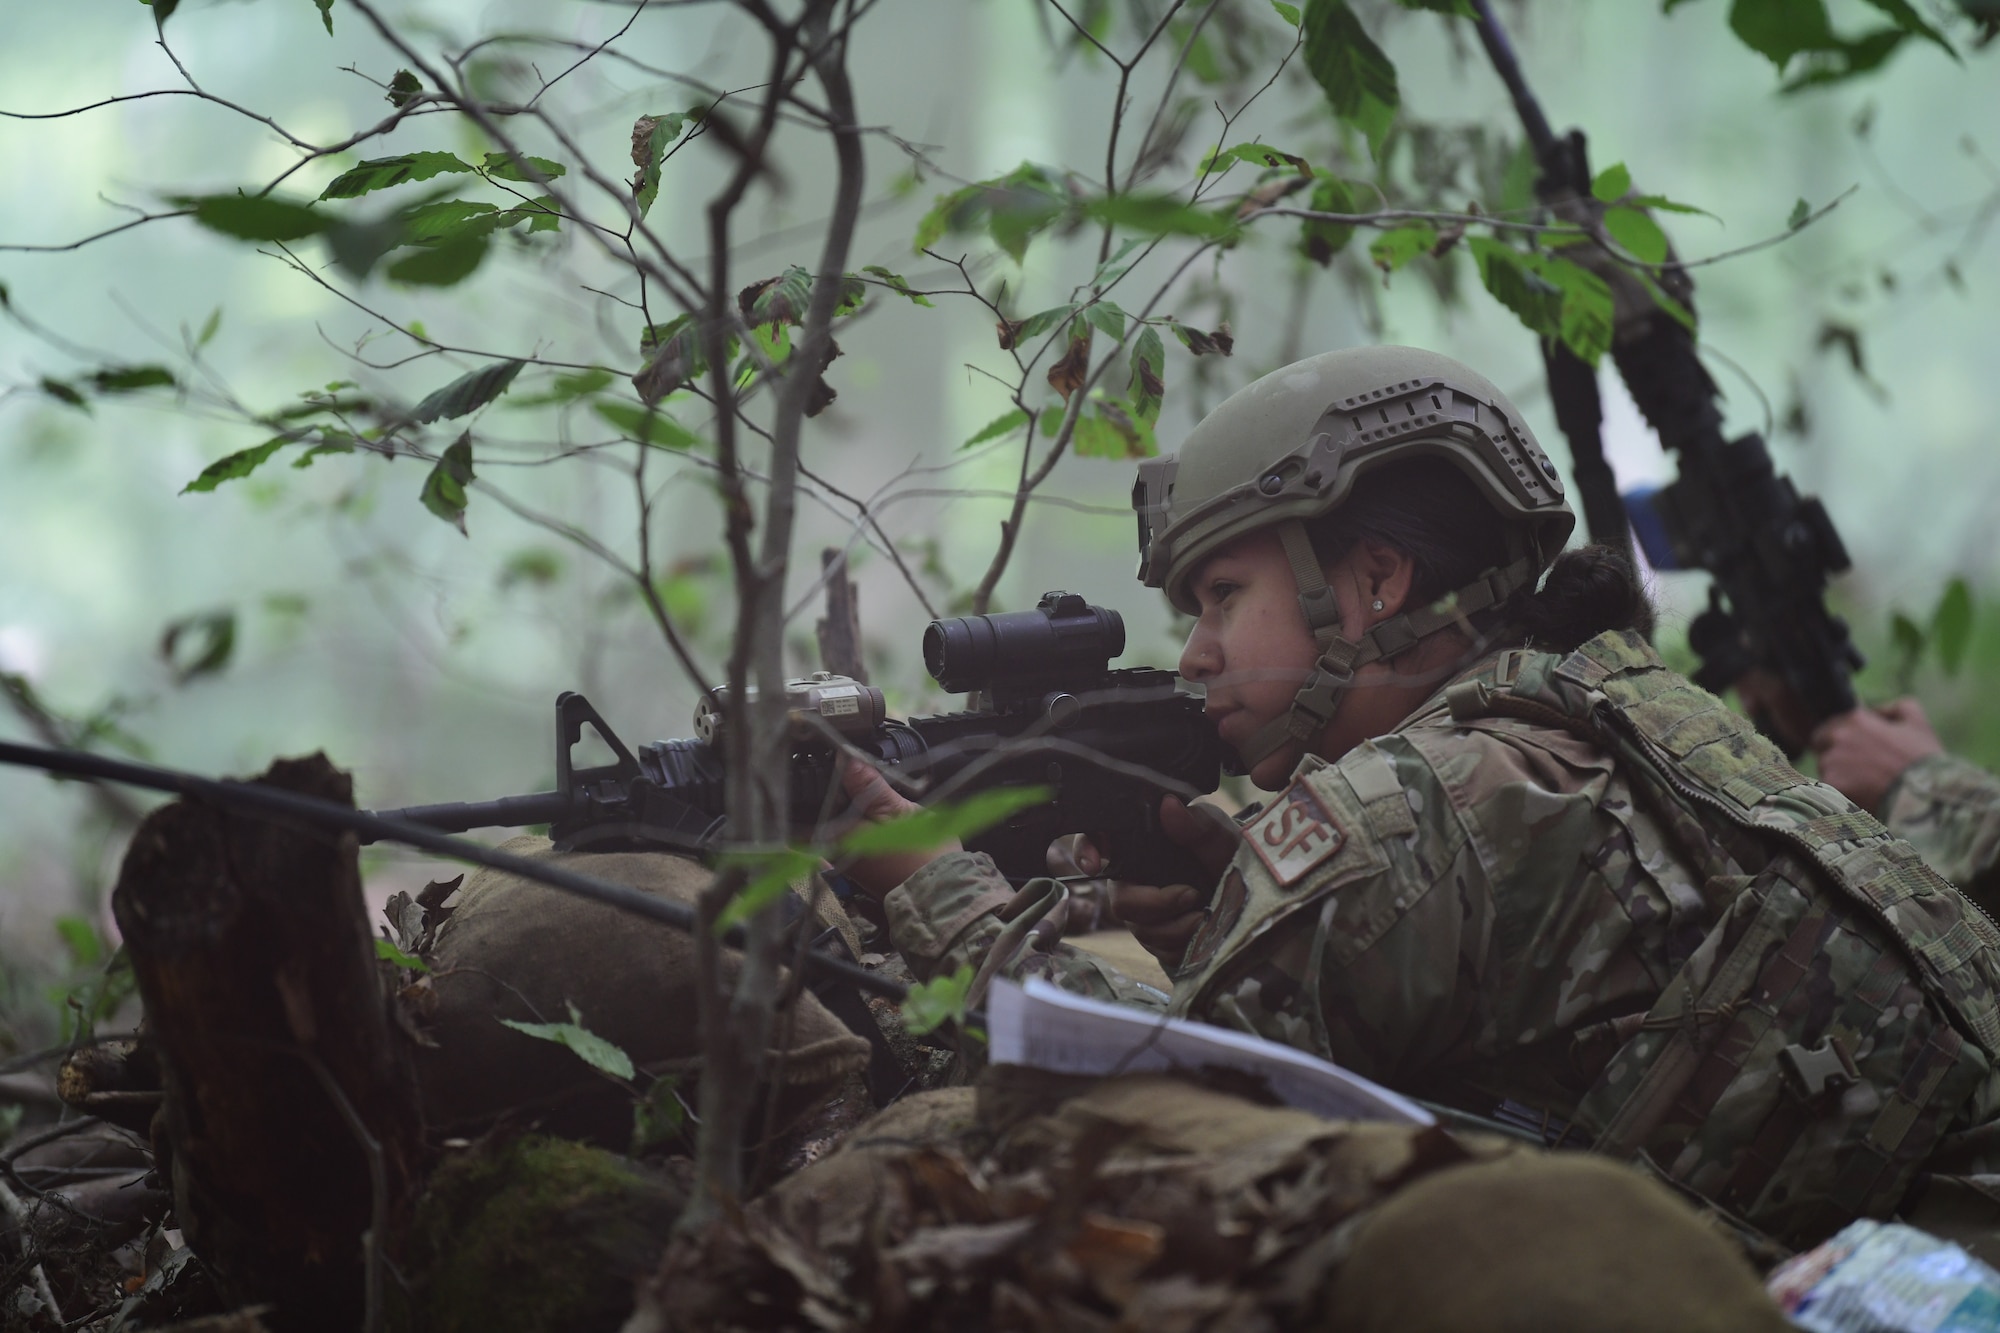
<point>1333,674</point>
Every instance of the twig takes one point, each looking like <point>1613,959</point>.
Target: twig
<point>19,1212</point>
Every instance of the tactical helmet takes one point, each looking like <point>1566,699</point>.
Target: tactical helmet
<point>1289,448</point>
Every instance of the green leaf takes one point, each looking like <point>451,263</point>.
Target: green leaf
<point>923,829</point>
<point>1321,241</point>
<point>999,426</point>
<point>1907,18</point>
<point>1201,344</point>
<point>1666,205</point>
<point>1115,429</point>
<point>779,300</point>
<point>1358,79</point>
<point>1780,29</point>
<point>533,564</point>
<point>403,89</point>
<point>660,133</point>
<point>1457,8</point>
<point>1612,184</point>
<point>1257,155</point>
<point>443,265</point>
<point>648,425</point>
<point>444,489</point>
<point>387,951</point>
<point>1909,641</point>
<point>1639,234</point>
<point>127,379</point>
<point>381,173</point>
<point>1160,215</point>
<point>239,464</point>
<point>331,442</point>
<point>1289,13</point>
<point>209,328</point>
<point>1585,319</point>
<point>1801,211</point>
<point>1393,249</point>
<point>1508,275</point>
<point>80,940</point>
<point>428,224</point>
<point>506,167</point>
<point>326,14</point>
<point>592,1049</point>
<point>896,284</point>
<point>565,389</point>
<point>64,392</point>
<point>1013,334</point>
<point>931,1004</point>
<point>257,218</point>
<point>658,1117</point>
<point>1148,387</point>
<point>771,877</point>
<point>1105,316</point>
<point>468,393</point>
<point>198,645</point>
<point>1951,626</point>
<point>162,9</point>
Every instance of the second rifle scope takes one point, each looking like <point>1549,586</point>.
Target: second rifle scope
<point>1064,640</point>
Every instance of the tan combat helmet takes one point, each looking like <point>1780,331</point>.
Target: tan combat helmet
<point>1289,447</point>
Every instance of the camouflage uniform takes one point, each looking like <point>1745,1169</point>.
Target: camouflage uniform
<point>1584,886</point>
<point>1949,809</point>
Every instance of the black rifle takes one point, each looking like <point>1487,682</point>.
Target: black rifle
<point>1046,711</point>
<point>1769,549</point>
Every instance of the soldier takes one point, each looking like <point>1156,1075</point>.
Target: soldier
<point>1513,862</point>
<point>1890,761</point>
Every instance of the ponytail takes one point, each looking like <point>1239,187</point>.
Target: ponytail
<point>1588,591</point>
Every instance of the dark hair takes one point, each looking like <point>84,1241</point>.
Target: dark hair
<point>1433,513</point>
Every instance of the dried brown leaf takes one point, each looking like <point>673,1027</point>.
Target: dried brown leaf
<point>1068,375</point>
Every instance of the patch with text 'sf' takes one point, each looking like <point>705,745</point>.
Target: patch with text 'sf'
<point>1295,834</point>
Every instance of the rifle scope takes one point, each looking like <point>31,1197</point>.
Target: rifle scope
<point>1063,641</point>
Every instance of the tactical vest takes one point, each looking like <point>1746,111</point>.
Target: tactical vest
<point>1840,1014</point>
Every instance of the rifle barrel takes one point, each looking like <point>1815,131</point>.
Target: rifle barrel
<point>543,807</point>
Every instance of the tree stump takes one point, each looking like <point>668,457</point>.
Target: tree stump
<point>291,1117</point>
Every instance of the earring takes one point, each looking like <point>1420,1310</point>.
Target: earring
<point>1377,604</point>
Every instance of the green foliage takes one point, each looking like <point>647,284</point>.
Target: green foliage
<point>326,14</point>
<point>1637,233</point>
<point>771,875</point>
<point>1948,634</point>
<point>1148,387</point>
<point>468,393</point>
<point>647,425</point>
<point>445,264</point>
<point>1289,13</point>
<point>1114,428</point>
<point>129,379</point>
<point>1256,154</point>
<point>380,173</point>
<point>929,826</point>
<point>1612,184</point>
<point>1015,332</point>
<point>256,217</point>
<point>941,1000</point>
<point>387,951</point>
<point>507,167</point>
<point>895,283</point>
<point>658,1118</point>
<point>1550,295</point>
<point>1357,78</point>
<point>1801,212</point>
<point>660,132</point>
<point>1161,215</point>
<point>80,941</point>
<point>1005,424</point>
<point>532,564</point>
<point>1319,240</point>
<point>107,985</point>
<point>198,645</point>
<point>1785,30</point>
<point>239,464</point>
<point>592,1049</point>
<point>403,89</point>
<point>1012,209</point>
<point>1393,249</point>
<point>1457,8</point>
<point>444,489</point>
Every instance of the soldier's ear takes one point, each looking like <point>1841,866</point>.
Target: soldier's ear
<point>1385,576</point>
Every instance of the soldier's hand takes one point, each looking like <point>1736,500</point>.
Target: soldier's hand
<point>1863,752</point>
<point>871,798</point>
<point>1164,917</point>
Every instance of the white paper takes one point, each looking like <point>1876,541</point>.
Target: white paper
<point>1049,1028</point>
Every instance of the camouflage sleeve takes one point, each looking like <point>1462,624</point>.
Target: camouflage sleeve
<point>1949,809</point>
<point>950,915</point>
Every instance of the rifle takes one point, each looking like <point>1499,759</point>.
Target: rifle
<point>1045,710</point>
<point>1769,550</point>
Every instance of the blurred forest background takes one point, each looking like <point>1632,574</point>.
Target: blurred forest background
<point>326,608</point>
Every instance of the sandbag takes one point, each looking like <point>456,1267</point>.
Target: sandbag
<point>1534,1242</point>
<point>513,949</point>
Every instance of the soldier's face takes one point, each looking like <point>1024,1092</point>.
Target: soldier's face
<point>1250,645</point>
<point>1252,649</point>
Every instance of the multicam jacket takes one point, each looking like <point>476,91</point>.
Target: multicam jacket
<point>1582,885</point>
<point>1949,809</point>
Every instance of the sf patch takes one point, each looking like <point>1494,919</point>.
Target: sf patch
<point>1294,835</point>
